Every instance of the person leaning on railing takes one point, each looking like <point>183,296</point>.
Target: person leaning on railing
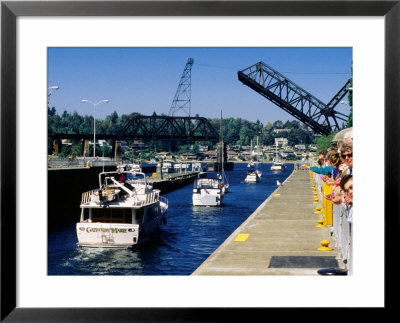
<point>337,195</point>
<point>347,156</point>
<point>346,185</point>
<point>336,163</point>
<point>330,174</point>
<point>328,169</point>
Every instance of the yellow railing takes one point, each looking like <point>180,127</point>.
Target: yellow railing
<point>327,204</point>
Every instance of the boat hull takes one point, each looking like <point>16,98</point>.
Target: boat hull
<point>207,192</point>
<point>251,180</point>
<point>107,235</point>
<point>277,168</point>
<point>207,198</point>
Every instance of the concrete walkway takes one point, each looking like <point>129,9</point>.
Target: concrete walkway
<point>279,238</point>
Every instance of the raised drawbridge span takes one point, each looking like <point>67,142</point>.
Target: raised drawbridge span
<point>321,117</point>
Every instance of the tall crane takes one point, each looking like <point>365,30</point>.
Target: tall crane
<point>182,99</point>
<point>321,117</point>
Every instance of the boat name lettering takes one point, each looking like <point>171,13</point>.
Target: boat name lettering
<point>113,230</point>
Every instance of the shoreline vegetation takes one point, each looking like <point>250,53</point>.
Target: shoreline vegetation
<point>239,135</point>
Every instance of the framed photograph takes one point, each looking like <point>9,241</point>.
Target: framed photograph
<point>31,31</point>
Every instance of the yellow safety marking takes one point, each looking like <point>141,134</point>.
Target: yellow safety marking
<point>277,194</point>
<point>241,237</point>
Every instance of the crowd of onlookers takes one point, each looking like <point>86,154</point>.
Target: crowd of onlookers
<point>335,167</point>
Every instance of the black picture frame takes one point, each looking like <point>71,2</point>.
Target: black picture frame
<point>10,10</point>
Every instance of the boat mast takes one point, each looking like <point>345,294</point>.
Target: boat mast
<point>222,145</point>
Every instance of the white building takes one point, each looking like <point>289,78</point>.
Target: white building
<point>300,147</point>
<point>281,142</point>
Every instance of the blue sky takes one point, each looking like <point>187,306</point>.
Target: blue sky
<point>145,80</point>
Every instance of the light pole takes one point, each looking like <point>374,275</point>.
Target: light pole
<point>50,90</point>
<point>94,121</point>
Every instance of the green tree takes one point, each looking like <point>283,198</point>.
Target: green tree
<point>324,142</point>
<point>245,134</point>
<point>195,149</point>
<point>76,149</point>
<point>87,125</point>
<point>278,124</point>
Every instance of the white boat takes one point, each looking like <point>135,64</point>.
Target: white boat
<point>224,182</point>
<point>167,166</point>
<point>252,176</point>
<point>207,191</point>
<point>181,166</point>
<point>257,163</point>
<point>277,165</point>
<point>124,211</point>
<point>222,176</point>
<point>132,167</point>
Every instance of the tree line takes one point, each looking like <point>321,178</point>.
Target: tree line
<point>235,132</point>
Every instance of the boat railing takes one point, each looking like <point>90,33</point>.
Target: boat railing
<point>147,198</point>
<point>86,196</point>
<point>163,200</point>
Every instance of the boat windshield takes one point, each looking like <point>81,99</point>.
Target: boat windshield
<point>134,178</point>
<point>207,183</point>
<point>106,215</point>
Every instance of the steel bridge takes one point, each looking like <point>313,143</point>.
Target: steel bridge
<point>156,128</point>
<point>321,117</point>
<point>151,128</point>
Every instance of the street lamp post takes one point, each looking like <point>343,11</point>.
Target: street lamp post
<point>94,121</point>
<point>50,90</point>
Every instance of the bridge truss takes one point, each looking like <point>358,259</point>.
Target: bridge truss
<point>169,128</point>
<point>156,128</point>
<point>321,117</point>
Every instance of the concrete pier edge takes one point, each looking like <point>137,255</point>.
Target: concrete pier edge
<point>226,259</point>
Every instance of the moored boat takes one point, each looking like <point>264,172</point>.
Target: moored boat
<point>132,167</point>
<point>167,166</point>
<point>124,211</point>
<point>180,166</point>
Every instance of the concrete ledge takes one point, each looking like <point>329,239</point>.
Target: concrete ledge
<point>283,225</point>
